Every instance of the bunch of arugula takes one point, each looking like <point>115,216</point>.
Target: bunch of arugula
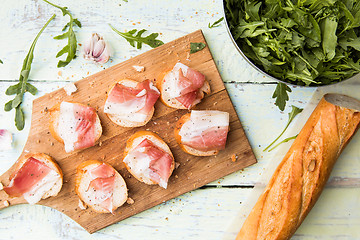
<point>23,86</point>
<point>70,48</point>
<point>303,42</point>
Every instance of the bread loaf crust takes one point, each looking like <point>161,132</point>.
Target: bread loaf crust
<point>301,176</point>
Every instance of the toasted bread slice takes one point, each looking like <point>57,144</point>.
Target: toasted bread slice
<point>133,142</point>
<point>162,85</point>
<point>54,123</point>
<point>49,186</point>
<point>83,180</point>
<point>185,148</point>
<point>131,119</point>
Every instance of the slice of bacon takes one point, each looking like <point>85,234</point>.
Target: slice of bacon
<point>85,126</point>
<point>160,163</point>
<point>191,81</point>
<point>30,173</point>
<point>140,99</point>
<point>189,84</point>
<point>102,186</point>
<point>211,139</point>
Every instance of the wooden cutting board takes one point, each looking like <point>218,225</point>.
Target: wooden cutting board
<point>192,172</point>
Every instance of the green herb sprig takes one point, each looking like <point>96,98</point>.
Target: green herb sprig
<point>217,23</point>
<point>283,141</point>
<point>132,37</point>
<point>281,95</point>
<point>23,86</point>
<point>294,111</point>
<point>71,46</point>
<point>196,46</point>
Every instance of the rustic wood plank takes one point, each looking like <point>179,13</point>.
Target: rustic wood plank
<point>193,171</point>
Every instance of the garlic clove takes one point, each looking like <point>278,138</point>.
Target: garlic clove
<point>99,48</point>
<point>96,49</point>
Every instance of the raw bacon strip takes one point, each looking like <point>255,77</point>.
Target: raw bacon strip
<point>30,173</point>
<point>211,139</point>
<point>191,81</point>
<point>205,130</point>
<point>85,126</point>
<point>160,163</point>
<point>188,99</point>
<point>125,100</point>
<point>102,186</point>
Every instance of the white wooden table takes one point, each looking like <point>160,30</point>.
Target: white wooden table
<point>205,213</point>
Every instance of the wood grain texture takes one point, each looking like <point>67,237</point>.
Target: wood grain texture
<point>192,173</point>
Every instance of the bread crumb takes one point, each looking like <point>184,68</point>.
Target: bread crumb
<point>59,73</point>
<point>130,201</point>
<point>177,165</point>
<point>92,84</point>
<point>6,203</point>
<point>176,176</point>
<point>1,186</point>
<point>38,141</point>
<point>100,143</point>
<point>167,219</point>
<point>82,205</point>
<point>139,68</point>
<point>70,88</point>
<point>215,103</point>
<point>52,144</point>
<point>234,158</point>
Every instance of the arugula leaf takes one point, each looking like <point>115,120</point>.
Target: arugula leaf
<point>216,24</point>
<point>294,111</point>
<point>196,46</point>
<point>281,95</point>
<point>283,141</point>
<point>132,38</point>
<point>23,86</point>
<point>71,46</point>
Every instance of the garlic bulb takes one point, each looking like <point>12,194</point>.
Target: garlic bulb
<point>96,49</point>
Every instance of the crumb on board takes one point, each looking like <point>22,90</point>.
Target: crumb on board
<point>139,68</point>
<point>234,157</point>
<point>82,205</point>
<point>176,176</point>
<point>38,141</point>
<point>6,203</point>
<point>59,73</point>
<point>100,143</point>
<point>91,83</point>
<point>130,201</point>
<point>177,165</point>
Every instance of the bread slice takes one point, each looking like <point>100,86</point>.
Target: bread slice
<point>134,141</point>
<point>56,182</point>
<point>54,123</point>
<point>128,121</point>
<point>185,148</point>
<point>83,179</point>
<point>173,102</point>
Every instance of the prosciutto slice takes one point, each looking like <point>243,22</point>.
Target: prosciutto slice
<point>101,187</point>
<point>77,126</point>
<point>205,130</point>
<point>29,176</point>
<point>186,85</point>
<point>123,100</point>
<point>148,160</point>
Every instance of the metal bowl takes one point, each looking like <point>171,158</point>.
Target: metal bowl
<point>261,70</point>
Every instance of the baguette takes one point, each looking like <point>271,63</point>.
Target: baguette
<point>301,176</point>
<point>115,191</point>
<point>57,132</point>
<point>140,166</point>
<point>39,185</point>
